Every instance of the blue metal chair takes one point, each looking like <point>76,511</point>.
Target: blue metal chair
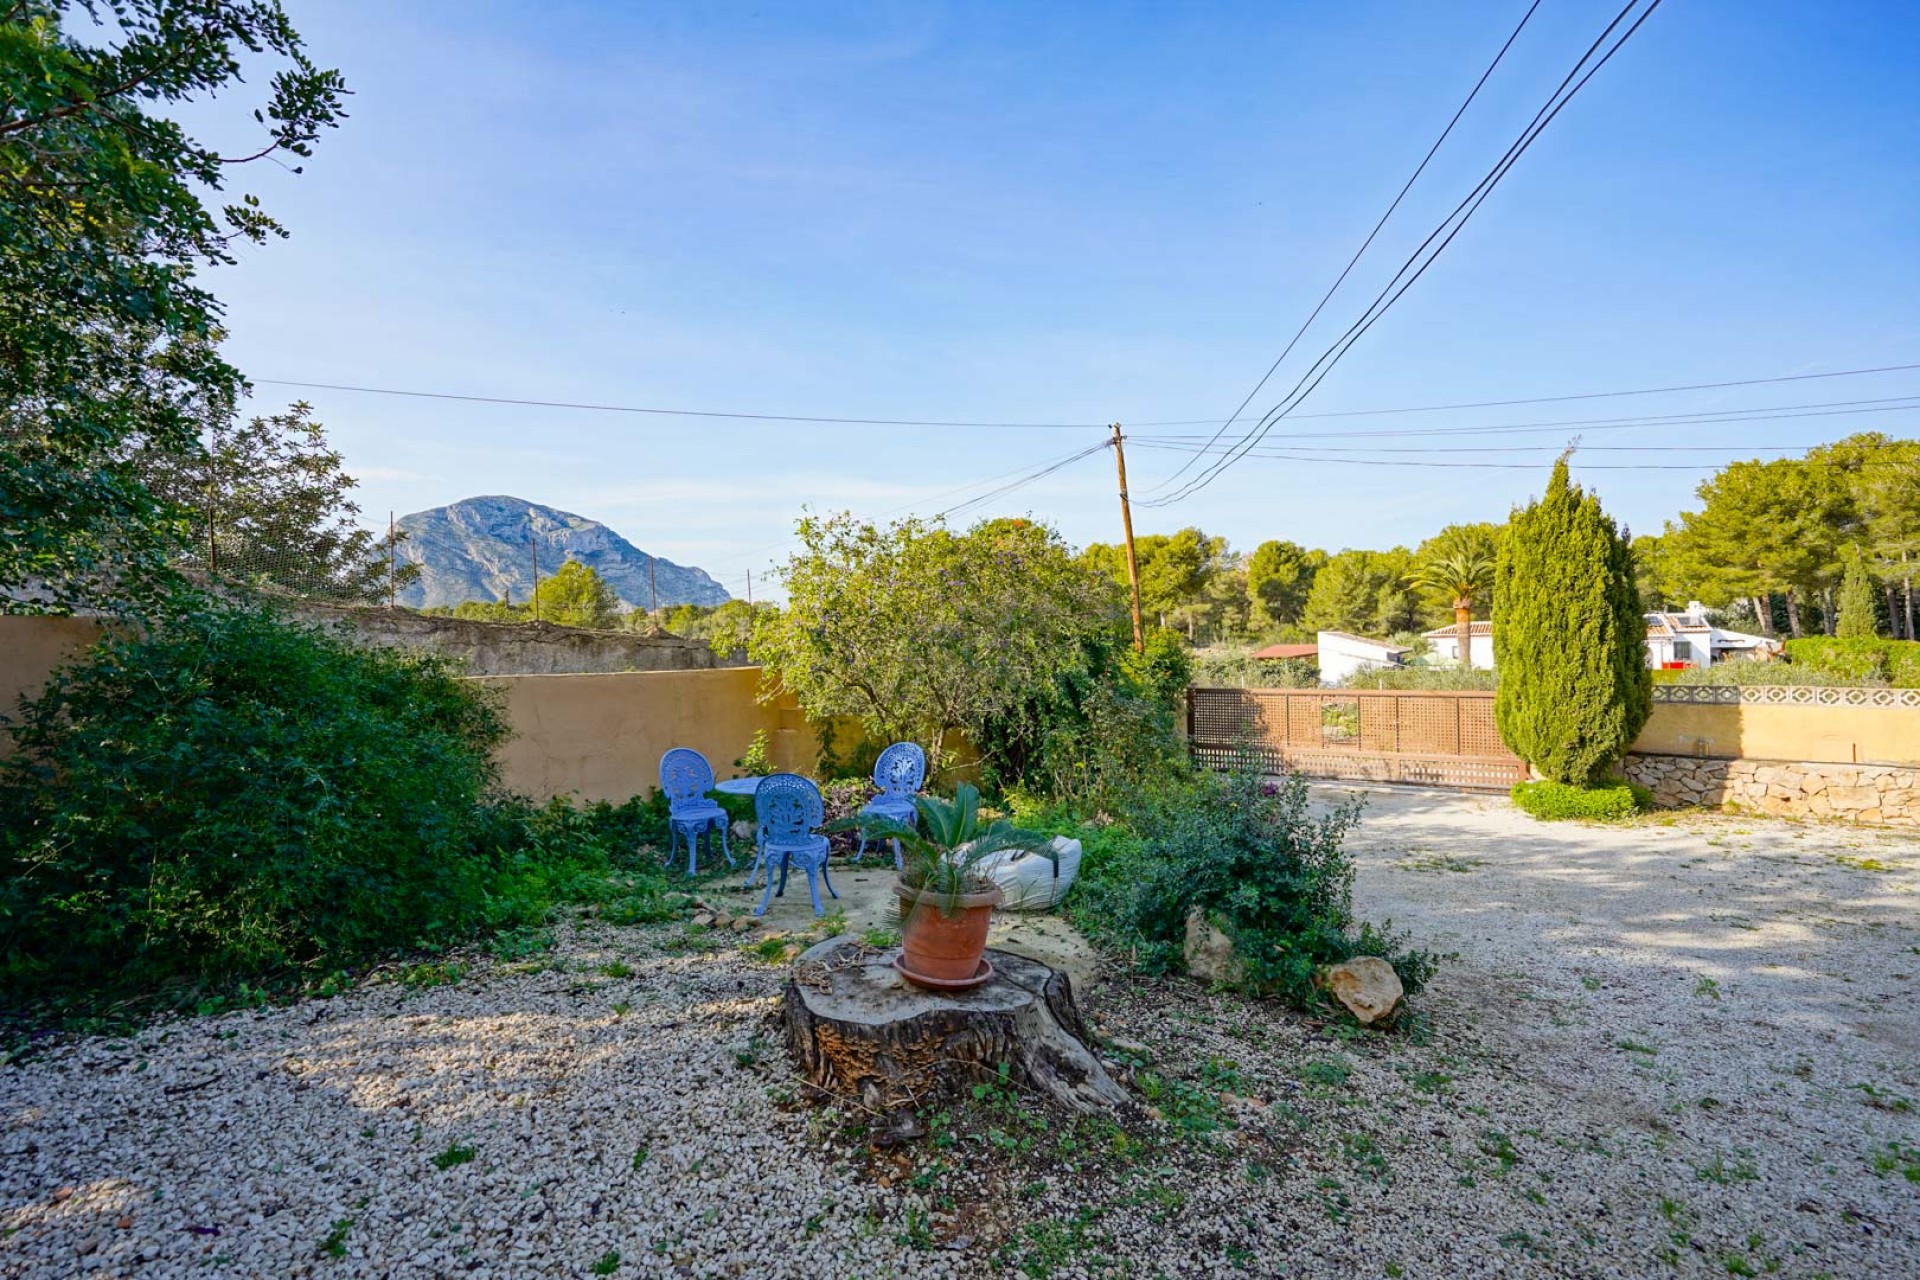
<point>686,777</point>
<point>788,808</point>
<point>899,772</point>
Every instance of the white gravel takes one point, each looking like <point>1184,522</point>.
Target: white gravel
<point>1648,1060</point>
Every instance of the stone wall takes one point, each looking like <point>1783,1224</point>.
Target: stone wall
<point>518,648</point>
<point>1874,794</point>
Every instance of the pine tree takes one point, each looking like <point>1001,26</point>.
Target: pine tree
<point>1568,637</point>
<point>1859,614</point>
<point>576,596</point>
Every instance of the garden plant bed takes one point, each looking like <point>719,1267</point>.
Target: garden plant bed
<point>1675,1047</point>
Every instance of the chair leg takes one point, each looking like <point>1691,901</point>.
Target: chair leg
<point>724,848</point>
<point>768,896</point>
<point>786,860</point>
<point>899,863</point>
<point>693,849</point>
<point>828,880</point>
<point>813,889</point>
<point>861,852</point>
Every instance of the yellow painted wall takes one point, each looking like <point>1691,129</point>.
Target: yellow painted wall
<point>1755,731</point>
<point>30,648</point>
<point>600,737</point>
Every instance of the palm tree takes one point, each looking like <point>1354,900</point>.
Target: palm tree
<point>1464,576</point>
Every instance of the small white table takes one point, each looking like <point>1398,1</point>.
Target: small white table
<point>740,786</point>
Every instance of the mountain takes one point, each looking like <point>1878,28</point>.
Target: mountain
<point>484,548</point>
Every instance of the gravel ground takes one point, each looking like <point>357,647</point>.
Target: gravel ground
<point>1674,1048</point>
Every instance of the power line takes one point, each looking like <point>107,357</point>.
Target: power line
<point>1463,213</point>
<point>1290,456</point>
<point>1368,242</point>
<point>678,413</point>
<point>1038,470</point>
<point>1708,417</point>
<point>1089,425</point>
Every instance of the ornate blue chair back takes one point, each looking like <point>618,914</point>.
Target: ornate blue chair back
<point>788,808</point>
<point>685,775</point>
<point>900,770</point>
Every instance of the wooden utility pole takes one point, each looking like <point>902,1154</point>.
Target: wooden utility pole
<point>533,545</point>
<point>1126,525</point>
<point>749,589</point>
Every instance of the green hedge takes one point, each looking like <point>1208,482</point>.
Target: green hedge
<point>1556,801</point>
<point>232,798</point>
<point>1897,662</point>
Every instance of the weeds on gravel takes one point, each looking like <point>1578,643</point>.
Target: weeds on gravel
<point>608,1264</point>
<point>334,1245</point>
<point>1897,1157</point>
<point>1723,1174</point>
<point>1057,1243</point>
<point>455,1154</point>
<point>881,939</point>
<point>1884,1099</point>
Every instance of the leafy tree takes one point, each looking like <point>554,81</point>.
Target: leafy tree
<point>1766,527</point>
<point>1859,613</point>
<point>576,596</point>
<point>106,337</point>
<point>1466,577</point>
<point>918,631</point>
<point>266,502</point>
<point>1364,592</point>
<point>1279,579</point>
<point>726,628</point>
<point>1568,637</point>
<point>482,611</point>
<point>1175,570</point>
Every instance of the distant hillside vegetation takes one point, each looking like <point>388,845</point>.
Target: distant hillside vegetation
<point>481,549</point>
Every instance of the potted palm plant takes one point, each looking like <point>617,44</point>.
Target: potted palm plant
<point>946,901</point>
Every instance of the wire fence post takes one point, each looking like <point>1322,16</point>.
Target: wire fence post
<point>533,545</point>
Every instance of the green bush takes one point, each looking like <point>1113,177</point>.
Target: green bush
<point>1865,659</point>
<point>1557,801</point>
<point>1246,850</point>
<point>231,796</point>
<point>1739,674</point>
<point>1568,637</point>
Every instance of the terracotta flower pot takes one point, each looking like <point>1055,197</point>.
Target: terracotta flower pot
<point>945,938</point>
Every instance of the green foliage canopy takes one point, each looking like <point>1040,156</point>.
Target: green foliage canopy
<point>228,794</point>
<point>997,633</point>
<point>576,596</point>
<point>1568,637</point>
<point>106,339</point>
<point>1364,592</point>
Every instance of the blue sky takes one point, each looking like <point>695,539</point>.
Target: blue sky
<point>1068,213</point>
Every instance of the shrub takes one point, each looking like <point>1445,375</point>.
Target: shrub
<point>1247,851</point>
<point>1755,674</point>
<point>1568,637</point>
<point>1556,801</point>
<point>1237,668</point>
<point>1863,659</point>
<point>1422,678</point>
<point>230,795</point>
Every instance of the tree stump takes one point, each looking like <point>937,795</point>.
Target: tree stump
<point>857,1028</point>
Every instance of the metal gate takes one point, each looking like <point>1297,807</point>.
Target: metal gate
<point>1430,737</point>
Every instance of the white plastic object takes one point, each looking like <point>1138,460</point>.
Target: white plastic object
<point>1029,882</point>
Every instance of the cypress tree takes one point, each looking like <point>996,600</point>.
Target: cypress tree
<point>1568,637</point>
<point>1859,611</point>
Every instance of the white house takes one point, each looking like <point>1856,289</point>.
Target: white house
<point>1341,655</point>
<point>1445,643</point>
<point>1688,639</point>
<point>1685,639</point>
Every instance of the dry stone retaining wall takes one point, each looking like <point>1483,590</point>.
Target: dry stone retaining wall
<point>1875,794</point>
